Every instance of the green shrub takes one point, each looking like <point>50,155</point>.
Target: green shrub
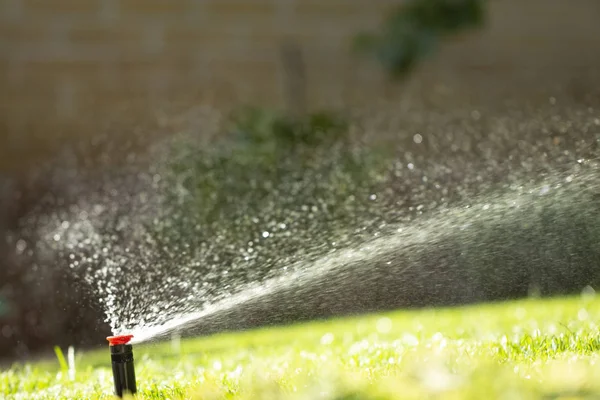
<point>413,31</point>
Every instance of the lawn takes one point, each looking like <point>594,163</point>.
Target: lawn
<point>524,349</point>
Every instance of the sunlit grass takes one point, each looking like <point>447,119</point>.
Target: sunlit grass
<point>528,349</point>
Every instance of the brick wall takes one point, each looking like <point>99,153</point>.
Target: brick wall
<point>70,63</point>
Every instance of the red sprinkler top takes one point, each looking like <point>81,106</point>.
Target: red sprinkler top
<point>121,339</point>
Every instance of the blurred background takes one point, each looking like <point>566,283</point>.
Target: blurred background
<point>137,70</point>
<point>67,66</point>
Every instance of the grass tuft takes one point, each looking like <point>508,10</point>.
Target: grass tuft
<point>64,367</point>
<point>519,350</point>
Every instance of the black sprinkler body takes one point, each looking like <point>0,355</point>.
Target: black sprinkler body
<point>121,354</point>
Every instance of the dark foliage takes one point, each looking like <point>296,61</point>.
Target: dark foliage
<point>415,30</point>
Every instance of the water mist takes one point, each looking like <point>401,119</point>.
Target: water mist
<point>469,206</point>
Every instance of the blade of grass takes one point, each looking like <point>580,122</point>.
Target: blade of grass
<point>61,358</point>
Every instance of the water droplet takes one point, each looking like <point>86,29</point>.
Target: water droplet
<point>21,246</point>
<point>384,325</point>
<point>588,293</point>
<point>410,340</point>
<point>7,331</point>
<point>327,338</point>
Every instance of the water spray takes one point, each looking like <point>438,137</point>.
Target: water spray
<point>121,354</point>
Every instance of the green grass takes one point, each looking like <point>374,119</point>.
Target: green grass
<point>529,349</point>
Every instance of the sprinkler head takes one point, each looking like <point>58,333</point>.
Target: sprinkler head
<point>121,354</point>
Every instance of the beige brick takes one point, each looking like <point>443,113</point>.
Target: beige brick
<point>183,36</point>
<point>4,69</point>
<point>223,8</point>
<point>60,6</point>
<point>253,71</point>
<point>102,34</point>
<point>31,86</point>
<point>57,68</point>
<point>210,42</point>
<point>18,33</point>
<point>218,40</point>
<point>334,8</point>
<point>37,78</point>
<point>156,7</point>
<point>138,63</point>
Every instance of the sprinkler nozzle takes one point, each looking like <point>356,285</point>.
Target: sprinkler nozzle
<point>121,354</point>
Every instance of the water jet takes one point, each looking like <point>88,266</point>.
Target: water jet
<point>466,213</point>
